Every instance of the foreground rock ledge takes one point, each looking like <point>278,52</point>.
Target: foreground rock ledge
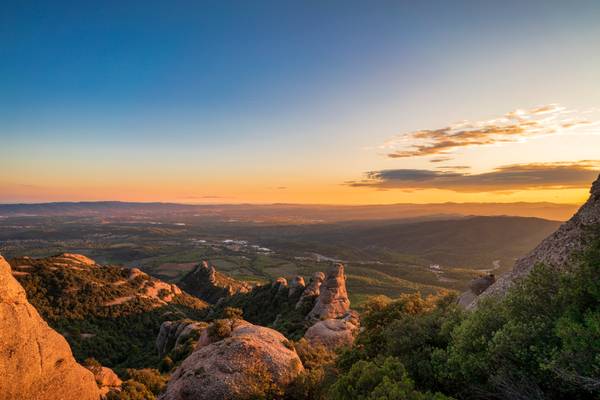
<point>236,367</point>
<point>36,362</point>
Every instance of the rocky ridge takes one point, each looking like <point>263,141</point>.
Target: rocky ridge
<point>557,250</point>
<point>209,285</point>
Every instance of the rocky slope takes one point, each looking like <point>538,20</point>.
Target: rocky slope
<point>243,361</point>
<point>557,249</point>
<point>35,361</point>
<point>98,307</point>
<point>209,285</point>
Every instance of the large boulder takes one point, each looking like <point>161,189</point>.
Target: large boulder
<point>35,361</point>
<point>334,333</point>
<point>333,301</point>
<point>250,361</point>
<point>557,250</point>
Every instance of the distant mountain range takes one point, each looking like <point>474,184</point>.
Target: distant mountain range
<point>295,213</point>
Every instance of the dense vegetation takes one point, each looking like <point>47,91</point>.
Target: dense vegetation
<point>73,300</point>
<point>270,305</point>
<point>391,256</point>
<point>540,342</point>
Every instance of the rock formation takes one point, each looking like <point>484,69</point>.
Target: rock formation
<point>250,360</point>
<point>557,249</point>
<point>35,361</point>
<point>334,333</point>
<point>333,299</point>
<point>296,285</point>
<point>107,380</point>
<point>209,285</point>
<point>175,333</point>
<point>311,292</point>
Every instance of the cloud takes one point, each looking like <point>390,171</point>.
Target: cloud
<point>557,175</point>
<point>514,126</point>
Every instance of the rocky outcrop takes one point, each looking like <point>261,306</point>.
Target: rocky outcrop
<point>75,258</point>
<point>174,334</point>
<point>333,299</point>
<point>556,250</point>
<point>311,292</point>
<point>249,361</point>
<point>209,285</point>
<point>334,333</point>
<point>296,285</point>
<point>35,361</point>
<point>107,380</point>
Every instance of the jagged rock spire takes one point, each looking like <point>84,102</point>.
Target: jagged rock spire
<point>333,301</point>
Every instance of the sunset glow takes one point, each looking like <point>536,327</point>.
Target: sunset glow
<point>324,102</point>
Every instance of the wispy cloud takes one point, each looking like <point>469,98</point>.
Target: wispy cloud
<point>505,178</point>
<point>514,126</point>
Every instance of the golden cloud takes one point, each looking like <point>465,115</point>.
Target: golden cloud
<point>514,126</point>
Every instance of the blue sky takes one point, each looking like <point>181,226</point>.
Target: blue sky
<point>202,95</point>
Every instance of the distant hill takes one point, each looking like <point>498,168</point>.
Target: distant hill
<point>476,241</point>
<point>293,213</point>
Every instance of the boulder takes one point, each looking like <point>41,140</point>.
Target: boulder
<point>35,361</point>
<point>334,333</point>
<point>478,285</point>
<point>249,361</point>
<point>333,301</point>
<point>107,380</point>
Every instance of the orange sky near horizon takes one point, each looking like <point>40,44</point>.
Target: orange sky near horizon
<point>397,103</point>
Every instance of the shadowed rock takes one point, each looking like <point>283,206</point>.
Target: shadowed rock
<point>296,285</point>
<point>173,334</point>
<point>311,292</point>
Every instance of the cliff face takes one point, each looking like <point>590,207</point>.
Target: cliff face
<point>557,249</point>
<point>35,361</point>
<point>209,285</point>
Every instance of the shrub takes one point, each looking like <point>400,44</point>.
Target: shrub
<point>150,378</point>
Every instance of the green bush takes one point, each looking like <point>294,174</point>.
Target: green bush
<point>380,379</point>
<point>131,390</point>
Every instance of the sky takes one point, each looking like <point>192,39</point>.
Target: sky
<point>337,102</point>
